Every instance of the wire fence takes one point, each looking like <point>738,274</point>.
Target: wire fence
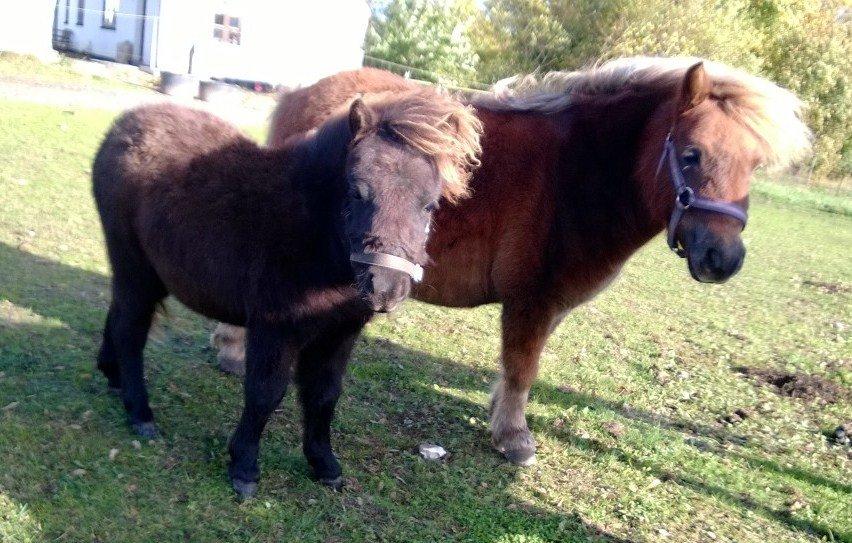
<point>422,76</point>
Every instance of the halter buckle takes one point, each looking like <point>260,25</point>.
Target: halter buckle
<point>685,197</point>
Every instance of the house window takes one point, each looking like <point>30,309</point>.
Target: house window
<point>110,8</point>
<point>226,28</point>
<point>81,11</point>
<point>67,10</point>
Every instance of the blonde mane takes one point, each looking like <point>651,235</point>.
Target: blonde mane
<point>438,126</point>
<point>772,113</point>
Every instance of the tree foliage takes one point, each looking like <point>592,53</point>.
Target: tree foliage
<point>808,49</point>
<point>432,36</point>
<point>804,45</point>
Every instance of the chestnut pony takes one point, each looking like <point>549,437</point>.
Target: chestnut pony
<point>299,244</point>
<point>579,170</point>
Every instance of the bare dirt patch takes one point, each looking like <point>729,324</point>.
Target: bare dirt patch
<point>797,385</point>
<point>827,287</point>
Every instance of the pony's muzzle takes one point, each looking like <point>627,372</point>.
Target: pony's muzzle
<point>384,280</point>
<point>385,289</point>
<point>713,258</point>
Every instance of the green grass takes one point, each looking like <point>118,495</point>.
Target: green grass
<point>656,353</point>
<point>822,198</point>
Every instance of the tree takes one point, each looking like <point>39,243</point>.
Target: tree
<point>804,45</point>
<point>808,49</point>
<point>520,36</point>
<point>431,36</point>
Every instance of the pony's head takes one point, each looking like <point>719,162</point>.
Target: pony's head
<point>722,124</point>
<point>408,150</point>
<point>710,126</point>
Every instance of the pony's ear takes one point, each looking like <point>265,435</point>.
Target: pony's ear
<point>360,117</point>
<point>696,87</point>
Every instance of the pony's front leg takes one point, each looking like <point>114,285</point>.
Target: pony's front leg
<point>525,330</point>
<point>270,353</point>
<point>319,376</point>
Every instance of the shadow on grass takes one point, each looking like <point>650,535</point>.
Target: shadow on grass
<point>76,297</point>
<point>465,377</point>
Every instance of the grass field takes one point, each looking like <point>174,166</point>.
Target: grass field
<point>627,410</point>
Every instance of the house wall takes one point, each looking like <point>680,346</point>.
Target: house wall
<point>150,31</point>
<point>289,42</point>
<point>92,39</point>
<point>29,30</point>
<point>181,25</point>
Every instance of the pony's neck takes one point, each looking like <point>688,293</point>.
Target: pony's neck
<point>611,196</point>
<point>322,154</point>
<point>318,170</point>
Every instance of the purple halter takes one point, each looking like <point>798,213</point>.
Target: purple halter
<point>685,197</point>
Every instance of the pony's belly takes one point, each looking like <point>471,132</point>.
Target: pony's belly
<point>208,299</point>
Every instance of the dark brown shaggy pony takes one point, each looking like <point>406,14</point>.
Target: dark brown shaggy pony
<point>262,238</point>
<point>579,170</point>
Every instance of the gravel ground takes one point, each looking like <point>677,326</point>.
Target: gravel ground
<point>252,110</point>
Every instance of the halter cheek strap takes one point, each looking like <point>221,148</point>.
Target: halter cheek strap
<point>685,197</point>
<point>393,262</point>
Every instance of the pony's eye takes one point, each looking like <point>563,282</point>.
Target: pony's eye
<point>691,157</point>
<point>360,191</point>
<point>430,207</point>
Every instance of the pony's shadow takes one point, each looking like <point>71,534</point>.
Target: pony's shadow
<point>79,298</point>
<point>74,301</point>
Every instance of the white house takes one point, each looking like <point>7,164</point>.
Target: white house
<point>289,42</point>
<point>30,33</point>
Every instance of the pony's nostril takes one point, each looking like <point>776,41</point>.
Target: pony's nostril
<point>714,260</point>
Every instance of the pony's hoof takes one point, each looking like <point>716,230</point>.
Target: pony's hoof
<point>245,489</point>
<point>148,430</point>
<point>518,447</point>
<point>232,366</point>
<point>334,484</point>
<point>520,457</point>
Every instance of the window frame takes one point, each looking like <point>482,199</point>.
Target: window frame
<point>227,30</point>
<point>81,12</point>
<point>104,24</point>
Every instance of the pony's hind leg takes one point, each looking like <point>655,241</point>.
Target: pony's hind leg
<point>270,353</point>
<point>319,375</point>
<point>525,331</point>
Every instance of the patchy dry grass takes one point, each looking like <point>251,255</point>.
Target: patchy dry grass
<point>634,410</point>
<point>70,72</point>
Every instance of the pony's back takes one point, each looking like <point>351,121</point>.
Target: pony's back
<point>306,108</point>
<point>161,136</point>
